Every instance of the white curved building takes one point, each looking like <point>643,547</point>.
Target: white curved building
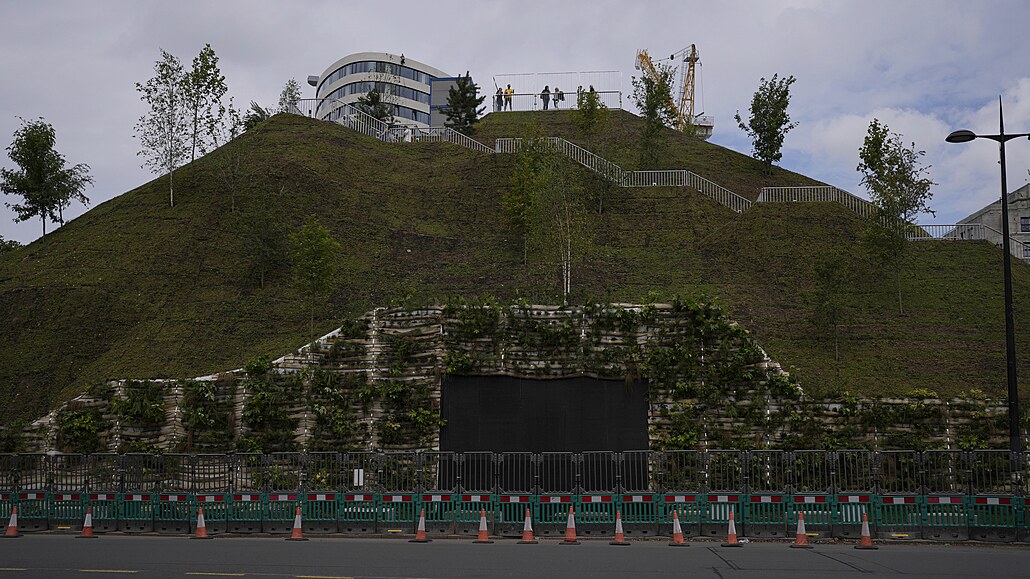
<point>404,82</point>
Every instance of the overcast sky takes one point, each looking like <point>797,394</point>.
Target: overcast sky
<point>923,67</point>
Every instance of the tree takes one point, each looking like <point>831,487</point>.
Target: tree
<point>373,105</point>
<point>900,189</point>
<point>314,262</point>
<point>653,97</point>
<point>255,116</point>
<point>202,91</point>
<point>463,108</point>
<point>163,130</point>
<point>289,97</point>
<point>229,159</point>
<point>43,182</point>
<point>828,299</point>
<point>7,245</point>
<point>259,228</point>
<point>591,116</point>
<point>769,122</point>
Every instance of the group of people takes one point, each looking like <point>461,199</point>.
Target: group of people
<point>503,97</point>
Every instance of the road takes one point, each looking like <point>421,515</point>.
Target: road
<point>61,556</point>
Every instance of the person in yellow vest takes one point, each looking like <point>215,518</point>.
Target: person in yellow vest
<point>508,93</point>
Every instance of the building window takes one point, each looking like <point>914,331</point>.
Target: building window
<point>1026,252</point>
<point>1024,224</point>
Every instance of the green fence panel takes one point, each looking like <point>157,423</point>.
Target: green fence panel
<point>7,502</point>
<point>595,515</point>
<point>216,512</point>
<point>279,512</point>
<point>690,508</point>
<point>819,513</point>
<point>67,511</point>
<point>898,517</point>
<point>245,512</point>
<point>468,510</point>
<point>992,518</point>
<point>33,511</point>
<point>173,513</point>
<point>321,513</point>
<point>945,518</point>
<point>640,514</point>
<point>439,513</point>
<point>398,512</point>
<point>848,511</point>
<point>552,514</point>
<point>511,514</point>
<point>1023,522</point>
<point>136,512</point>
<point>765,515</point>
<point>357,513</point>
<point>715,522</point>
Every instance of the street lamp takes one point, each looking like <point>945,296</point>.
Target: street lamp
<point>964,136</point>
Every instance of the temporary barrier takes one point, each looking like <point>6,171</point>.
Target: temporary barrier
<point>439,509</point>
<point>279,511</point>
<point>7,502</point>
<point>691,509</point>
<point>945,518</point>
<point>552,514</point>
<point>467,511</point>
<point>173,513</point>
<point>33,511</point>
<point>765,515</point>
<point>67,511</point>
<point>517,473</point>
<point>993,481</point>
<point>717,509</point>
<point>321,512</point>
<point>992,518</point>
<point>849,510</point>
<point>818,510</point>
<point>8,472</point>
<point>141,473</point>
<point>599,472</point>
<point>357,513</point>
<point>898,517</point>
<point>595,514</point>
<point>245,513</point>
<point>640,514</point>
<point>511,510</point>
<point>136,513</point>
<point>557,474</point>
<point>216,512</point>
<point>397,512</point>
<point>855,485</point>
<point>212,474</point>
<point>323,471</point>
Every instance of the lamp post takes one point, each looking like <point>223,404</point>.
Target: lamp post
<point>964,136</point>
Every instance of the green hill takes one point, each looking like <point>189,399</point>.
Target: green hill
<point>135,288</point>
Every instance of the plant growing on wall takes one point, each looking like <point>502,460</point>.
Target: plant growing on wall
<point>79,430</point>
<point>143,404</point>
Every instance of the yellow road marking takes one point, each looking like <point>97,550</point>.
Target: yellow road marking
<point>130,571</point>
<point>215,574</point>
<point>324,577</point>
<point>12,569</point>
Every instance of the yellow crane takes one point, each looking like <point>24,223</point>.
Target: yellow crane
<point>684,109</point>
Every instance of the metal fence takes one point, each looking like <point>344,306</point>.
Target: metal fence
<point>812,194</point>
<point>534,101</point>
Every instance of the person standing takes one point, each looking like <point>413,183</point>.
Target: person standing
<point>557,96</point>
<point>508,93</point>
<point>545,96</point>
<point>499,100</point>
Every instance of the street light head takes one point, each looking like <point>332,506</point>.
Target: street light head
<point>962,136</point>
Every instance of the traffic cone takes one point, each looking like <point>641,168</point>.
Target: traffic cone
<point>867,541</point>
<point>87,525</point>
<point>801,539</point>
<point>298,531</point>
<point>202,528</point>
<point>620,537</point>
<point>731,534</point>
<point>570,530</point>
<point>527,531</point>
<point>484,535</point>
<point>12,527</point>
<point>677,532</point>
<point>420,532</point>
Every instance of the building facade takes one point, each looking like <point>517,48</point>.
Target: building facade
<point>408,85</point>
<point>1019,221</point>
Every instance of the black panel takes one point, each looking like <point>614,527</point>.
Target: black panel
<point>504,414</point>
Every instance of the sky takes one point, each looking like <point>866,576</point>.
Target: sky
<point>922,67</point>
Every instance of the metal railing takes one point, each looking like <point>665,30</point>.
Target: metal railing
<point>817,194</point>
<point>1018,248</point>
<point>960,232</point>
<point>534,101</point>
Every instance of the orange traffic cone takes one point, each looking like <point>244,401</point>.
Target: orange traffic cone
<point>801,539</point>
<point>677,532</point>
<point>867,541</point>
<point>420,532</point>
<point>731,534</point>
<point>202,528</point>
<point>527,531</point>
<point>570,530</point>
<point>87,525</point>
<point>298,531</point>
<point>12,527</point>
<point>484,535</point>
<point>620,537</point>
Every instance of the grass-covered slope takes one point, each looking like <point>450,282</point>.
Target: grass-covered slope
<point>135,288</point>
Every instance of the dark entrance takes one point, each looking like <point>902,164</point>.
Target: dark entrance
<point>515,415</point>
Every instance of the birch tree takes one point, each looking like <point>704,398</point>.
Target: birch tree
<point>163,131</point>
<point>203,89</point>
<point>289,97</point>
<point>769,121</point>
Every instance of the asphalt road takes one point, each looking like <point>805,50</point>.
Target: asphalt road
<point>148,556</point>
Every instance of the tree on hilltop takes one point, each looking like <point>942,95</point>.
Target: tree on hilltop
<point>653,97</point>
<point>769,122</point>
<point>163,130</point>
<point>43,182</point>
<point>463,108</point>
<point>375,105</point>
<point>289,97</point>
<point>314,263</point>
<point>202,90</point>
<point>899,188</point>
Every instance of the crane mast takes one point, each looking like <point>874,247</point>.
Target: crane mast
<point>684,105</point>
